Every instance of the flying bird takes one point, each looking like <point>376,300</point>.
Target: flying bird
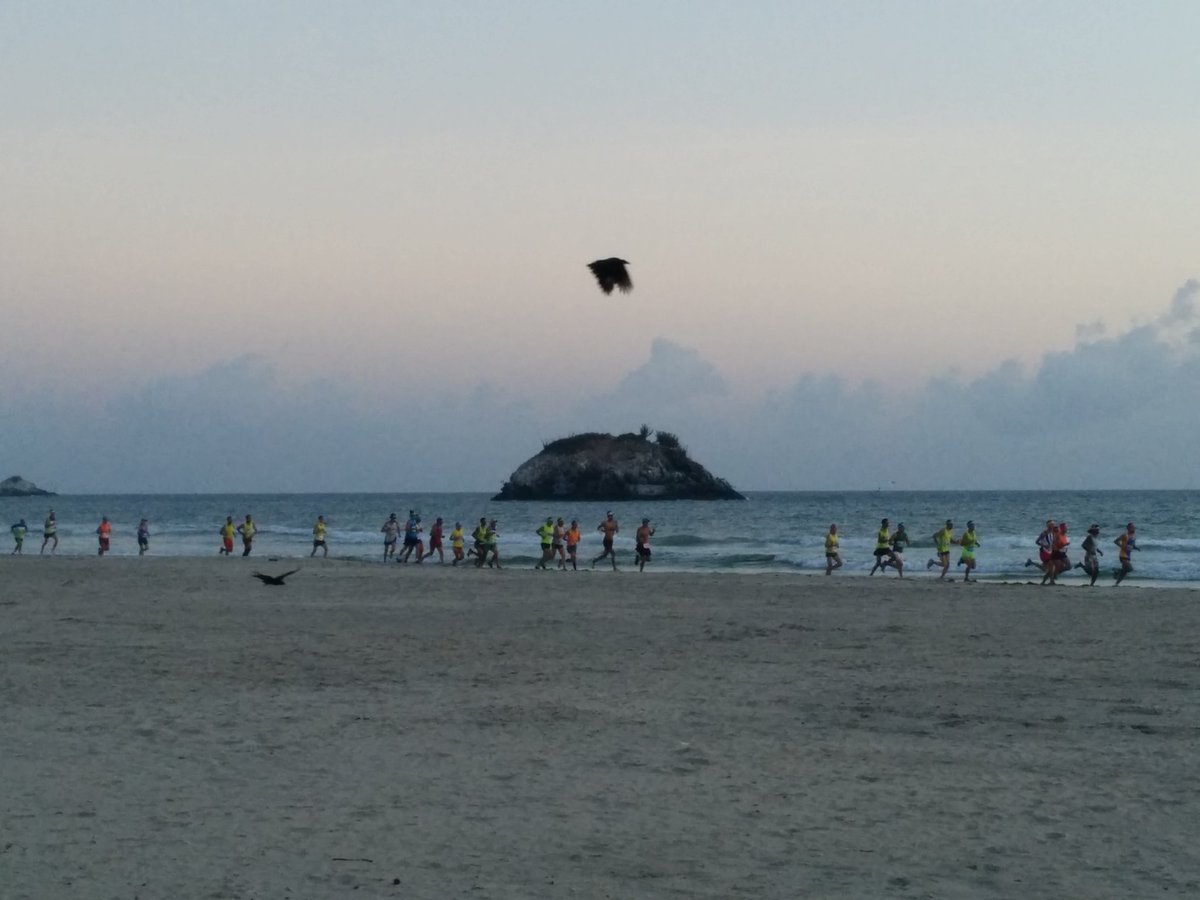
<point>276,580</point>
<point>611,273</point>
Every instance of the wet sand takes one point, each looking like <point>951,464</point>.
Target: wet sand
<point>172,728</point>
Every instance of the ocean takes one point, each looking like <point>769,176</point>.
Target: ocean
<point>769,532</point>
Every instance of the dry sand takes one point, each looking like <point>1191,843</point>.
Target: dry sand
<point>173,729</point>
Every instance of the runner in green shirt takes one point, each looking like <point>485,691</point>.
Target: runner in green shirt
<point>941,543</point>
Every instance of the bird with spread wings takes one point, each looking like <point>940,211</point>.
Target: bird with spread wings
<point>276,580</point>
<point>611,273</point>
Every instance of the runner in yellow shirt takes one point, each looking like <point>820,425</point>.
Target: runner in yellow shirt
<point>884,554</point>
<point>941,544</point>
<point>319,537</point>
<point>833,559</point>
<point>968,542</point>
<point>18,533</point>
<point>479,536</point>
<point>247,530</point>
<point>50,533</point>
<point>227,531</point>
<point>545,533</point>
<point>456,544</point>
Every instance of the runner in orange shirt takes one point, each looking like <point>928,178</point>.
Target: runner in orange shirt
<point>572,539</point>
<point>104,532</point>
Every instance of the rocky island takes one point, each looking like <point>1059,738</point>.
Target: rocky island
<point>602,467</point>
<point>16,486</point>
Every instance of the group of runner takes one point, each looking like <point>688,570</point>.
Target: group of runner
<point>246,529</point>
<point>485,539</point>
<point>50,536</point>
<point>1054,543</point>
<point>559,542</point>
<point>890,546</point>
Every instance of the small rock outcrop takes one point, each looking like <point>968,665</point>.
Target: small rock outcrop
<point>606,468</point>
<point>19,487</point>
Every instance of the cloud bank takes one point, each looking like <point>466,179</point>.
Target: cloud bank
<point>1114,411</point>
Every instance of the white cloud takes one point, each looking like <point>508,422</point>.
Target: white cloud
<point>1114,411</point>
<point>1183,305</point>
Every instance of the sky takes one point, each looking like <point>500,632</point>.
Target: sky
<point>308,246</point>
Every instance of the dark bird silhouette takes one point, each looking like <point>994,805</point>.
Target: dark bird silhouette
<point>276,580</point>
<point>611,273</point>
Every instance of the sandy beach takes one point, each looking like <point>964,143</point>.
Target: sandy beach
<point>172,728</point>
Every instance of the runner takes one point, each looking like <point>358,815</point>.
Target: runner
<point>1058,562</point>
<point>227,531</point>
<point>642,544</point>
<point>456,544</point>
<point>104,532</point>
<point>572,537</point>
<point>610,528</point>
<point>491,544</point>
<point>1045,545</point>
<point>247,531</point>
<point>968,542</point>
<point>1091,554</point>
<point>18,533</point>
<point>833,559</point>
<point>49,533</point>
<point>556,544</point>
<point>899,542</point>
<point>435,541</point>
<point>412,538</point>
<point>545,533</point>
<point>480,537</point>
<point>941,544</point>
<point>143,537</point>
<point>884,554</point>
<point>319,537</point>
<point>1126,543</point>
<point>391,534</point>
